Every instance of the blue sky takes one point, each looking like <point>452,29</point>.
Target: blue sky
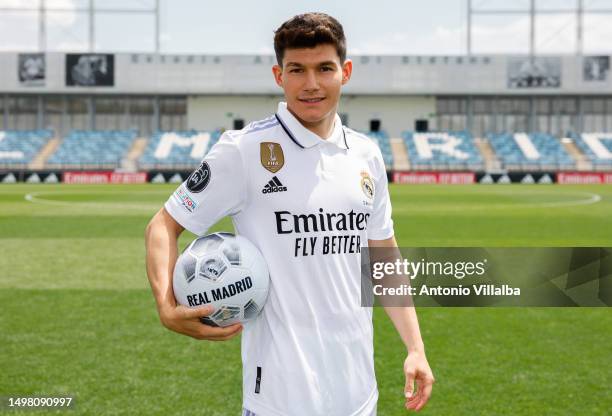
<point>246,26</point>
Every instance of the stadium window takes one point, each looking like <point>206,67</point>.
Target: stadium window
<point>486,60</point>
<point>483,118</point>
<point>513,114</point>
<point>162,59</point>
<point>365,59</point>
<point>53,114</point>
<point>473,60</point>
<point>593,105</point>
<point>110,113</point>
<point>149,59</point>
<point>564,115</point>
<point>451,113</point>
<point>257,59</point>
<point>2,121</point>
<point>134,58</point>
<point>445,59</point>
<point>203,59</point>
<point>459,60</point>
<point>543,112</point>
<point>405,59</point>
<point>418,59</point>
<point>141,115</point>
<point>462,104</point>
<point>217,60</point>
<point>77,113</point>
<point>594,118</point>
<point>608,119</point>
<point>177,59</point>
<point>23,112</point>
<point>173,114</point>
<point>432,59</point>
<point>189,59</point>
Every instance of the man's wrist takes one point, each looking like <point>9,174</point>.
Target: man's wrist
<point>164,308</point>
<point>416,348</point>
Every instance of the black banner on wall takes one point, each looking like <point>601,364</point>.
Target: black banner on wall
<point>90,70</point>
<point>46,176</point>
<point>31,69</point>
<point>541,178</point>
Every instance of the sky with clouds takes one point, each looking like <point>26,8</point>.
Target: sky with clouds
<point>431,27</point>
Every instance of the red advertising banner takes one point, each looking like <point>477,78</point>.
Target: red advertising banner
<point>85,177</point>
<point>450,178</point>
<point>583,178</point>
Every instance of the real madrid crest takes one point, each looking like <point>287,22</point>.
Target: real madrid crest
<point>367,185</point>
<point>199,178</point>
<point>271,156</point>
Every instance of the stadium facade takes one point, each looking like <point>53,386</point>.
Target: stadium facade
<point>494,113</point>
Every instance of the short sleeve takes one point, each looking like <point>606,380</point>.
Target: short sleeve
<point>380,226</point>
<point>217,188</point>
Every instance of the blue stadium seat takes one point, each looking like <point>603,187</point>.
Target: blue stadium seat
<point>547,151</point>
<point>178,149</point>
<point>381,138</point>
<point>442,151</point>
<point>93,149</point>
<point>18,148</point>
<point>589,144</point>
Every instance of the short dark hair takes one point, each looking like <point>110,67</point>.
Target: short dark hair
<point>307,31</point>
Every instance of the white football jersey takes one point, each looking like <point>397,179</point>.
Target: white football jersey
<point>309,205</point>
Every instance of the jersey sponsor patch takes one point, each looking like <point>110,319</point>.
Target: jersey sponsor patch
<point>274,185</point>
<point>367,185</point>
<point>185,200</point>
<point>271,156</point>
<point>199,178</point>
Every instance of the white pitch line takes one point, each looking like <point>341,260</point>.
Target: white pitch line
<point>591,198</point>
<point>32,197</point>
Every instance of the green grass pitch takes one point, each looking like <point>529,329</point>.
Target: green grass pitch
<point>78,316</point>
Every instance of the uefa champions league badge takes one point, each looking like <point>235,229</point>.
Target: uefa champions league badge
<point>271,156</point>
<point>367,185</point>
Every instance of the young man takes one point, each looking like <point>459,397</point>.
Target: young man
<point>309,193</point>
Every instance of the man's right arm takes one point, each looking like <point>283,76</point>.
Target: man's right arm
<point>161,237</point>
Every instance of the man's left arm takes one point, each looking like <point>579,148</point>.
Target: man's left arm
<point>416,367</point>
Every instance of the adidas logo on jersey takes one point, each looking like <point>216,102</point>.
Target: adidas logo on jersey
<point>273,186</point>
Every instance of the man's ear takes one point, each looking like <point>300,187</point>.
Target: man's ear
<point>277,70</point>
<point>347,70</point>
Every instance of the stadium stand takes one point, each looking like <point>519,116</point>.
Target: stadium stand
<point>491,161</point>
<point>533,151</point>
<point>381,138</point>
<point>442,151</point>
<point>597,147</point>
<point>177,149</point>
<point>18,148</point>
<point>92,149</point>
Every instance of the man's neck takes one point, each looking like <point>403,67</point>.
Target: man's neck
<point>322,128</point>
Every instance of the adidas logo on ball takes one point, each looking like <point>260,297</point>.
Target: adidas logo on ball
<point>273,186</point>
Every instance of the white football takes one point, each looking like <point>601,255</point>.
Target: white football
<point>226,271</point>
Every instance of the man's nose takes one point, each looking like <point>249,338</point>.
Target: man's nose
<point>311,83</point>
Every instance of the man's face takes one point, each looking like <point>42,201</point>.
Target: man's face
<point>312,79</point>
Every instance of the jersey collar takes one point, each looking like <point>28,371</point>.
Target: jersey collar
<point>303,137</point>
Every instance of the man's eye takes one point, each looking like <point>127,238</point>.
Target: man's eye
<point>295,70</point>
<point>326,68</point>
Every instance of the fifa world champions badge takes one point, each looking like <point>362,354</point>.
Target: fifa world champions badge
<point>271,156</point>
<point>367,185</point>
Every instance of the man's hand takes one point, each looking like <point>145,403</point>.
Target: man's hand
<point>416,368</point>
<point>186,321</point>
